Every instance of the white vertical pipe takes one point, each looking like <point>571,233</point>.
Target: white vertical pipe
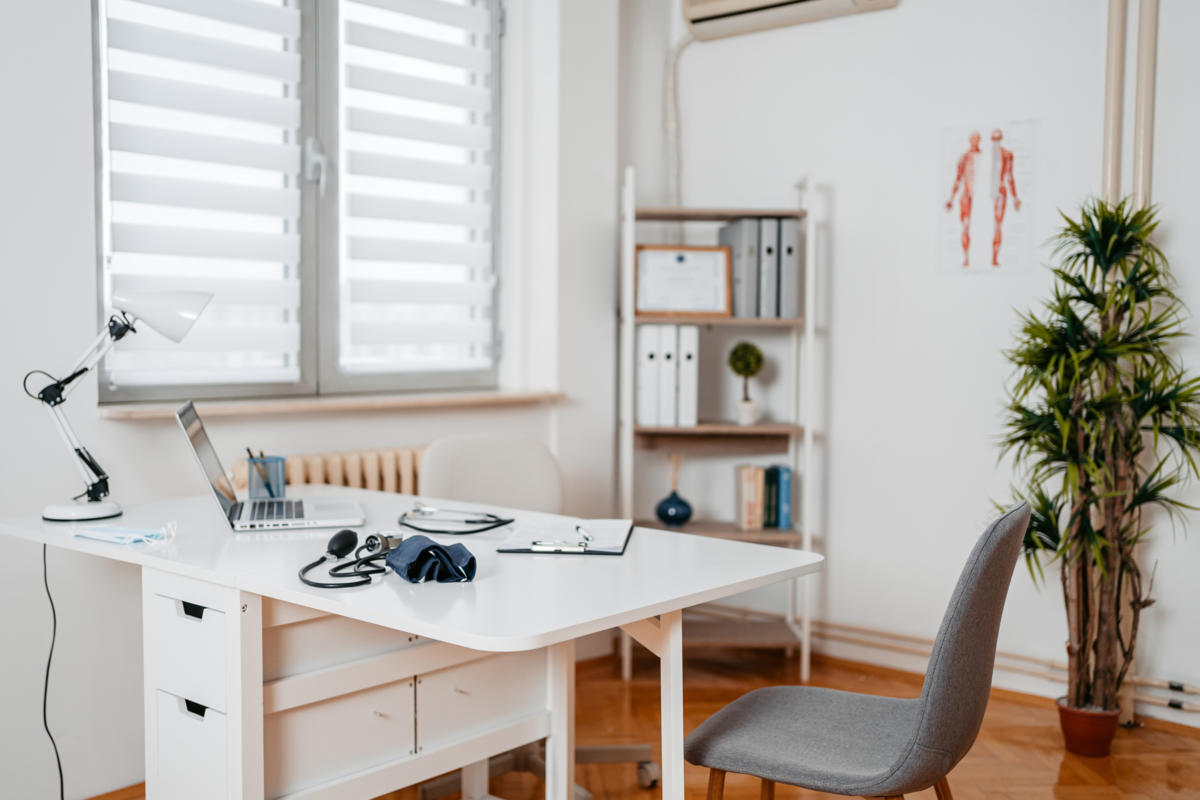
<point>625,355</point>
<point>1114,100</point>
<point>1143,111</point>
<point>626,375</point>
<point>1143,165</point>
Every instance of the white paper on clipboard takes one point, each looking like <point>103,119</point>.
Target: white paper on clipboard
<point>593,537</point>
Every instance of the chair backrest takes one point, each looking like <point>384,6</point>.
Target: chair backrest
<point>959,676</point>
<point>506,471</point>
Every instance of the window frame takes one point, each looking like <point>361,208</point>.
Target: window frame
<point>320,241</point>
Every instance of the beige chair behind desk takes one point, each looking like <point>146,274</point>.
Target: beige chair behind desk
<point>508,471</point>
<point>512,472</point>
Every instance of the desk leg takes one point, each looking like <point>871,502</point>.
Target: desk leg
<point>671,689</point>
<point>560,744</point>
<point>475,781</point>
<point>245,680</point>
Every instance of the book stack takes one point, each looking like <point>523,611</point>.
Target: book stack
<point>764,497</point>
<point>766,266</point>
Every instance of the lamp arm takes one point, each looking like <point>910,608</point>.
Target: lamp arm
<point>93,474</point>
<point>54,393</point>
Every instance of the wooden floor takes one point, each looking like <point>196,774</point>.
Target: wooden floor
<point>1018,755</point>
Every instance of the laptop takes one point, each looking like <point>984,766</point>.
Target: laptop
<point>263,514</point>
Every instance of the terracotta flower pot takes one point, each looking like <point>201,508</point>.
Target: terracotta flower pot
<point>1087,732</point>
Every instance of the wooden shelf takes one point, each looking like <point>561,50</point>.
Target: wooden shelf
<point>719,529</point>
<point>681,214</point>
<point>729,322</point>
<point>724,429</point>
<point>718,437</point>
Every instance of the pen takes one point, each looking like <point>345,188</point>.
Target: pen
<point>587,537</point>
<point>557,547</point>
<point>262,471</point>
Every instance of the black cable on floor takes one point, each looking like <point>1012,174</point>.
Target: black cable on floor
<point>49,659</point>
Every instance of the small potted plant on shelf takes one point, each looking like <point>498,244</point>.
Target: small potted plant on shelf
<point>746,360</point>
<point>1104,424</point>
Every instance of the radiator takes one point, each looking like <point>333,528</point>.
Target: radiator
<point>389,470</point>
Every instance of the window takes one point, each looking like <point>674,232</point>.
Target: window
<point>325,167</point>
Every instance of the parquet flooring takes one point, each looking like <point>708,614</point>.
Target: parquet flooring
<point>1018,755</point>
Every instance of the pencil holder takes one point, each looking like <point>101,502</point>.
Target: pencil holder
<point>266,477</point>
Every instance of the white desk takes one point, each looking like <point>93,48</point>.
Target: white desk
<point>259,686</point>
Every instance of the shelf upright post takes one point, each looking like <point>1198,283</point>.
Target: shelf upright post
<point>795,451</point>
<point>808,490</point>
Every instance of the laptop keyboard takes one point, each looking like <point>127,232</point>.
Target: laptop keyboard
<point>270,510</point>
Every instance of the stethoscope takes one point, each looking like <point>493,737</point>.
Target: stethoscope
<point>462,522</point>
<point>358,571</point>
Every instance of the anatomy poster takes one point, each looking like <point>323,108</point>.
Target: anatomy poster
<point>985,182</point>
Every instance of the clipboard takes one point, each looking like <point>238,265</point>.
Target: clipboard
<point>582,537</point>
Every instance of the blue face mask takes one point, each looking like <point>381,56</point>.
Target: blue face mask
<point>118,534</point>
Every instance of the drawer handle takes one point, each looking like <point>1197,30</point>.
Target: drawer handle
<point>193,610</point>
<point>195,708</point>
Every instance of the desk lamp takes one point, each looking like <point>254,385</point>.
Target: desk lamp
<point>171,313</point>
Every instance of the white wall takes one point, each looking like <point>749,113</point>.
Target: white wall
<point>917,378</point>
<point>48,257</point>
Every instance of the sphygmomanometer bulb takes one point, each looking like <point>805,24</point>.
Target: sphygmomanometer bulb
<point>342,543</point>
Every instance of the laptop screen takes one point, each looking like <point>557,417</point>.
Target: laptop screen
<point>206,455</point>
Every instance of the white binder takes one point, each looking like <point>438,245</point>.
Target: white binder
<point>768,268</point>
<point>742,237</point>
<point>790,283</point>
<point>689,375</point>
<point>646,379</point>
<point>668,375</point>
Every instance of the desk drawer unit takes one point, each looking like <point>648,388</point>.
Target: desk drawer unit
<point>466,700</point>
<point>192,742</point>
<point>186,652</point>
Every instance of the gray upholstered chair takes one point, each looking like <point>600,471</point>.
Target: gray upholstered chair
<point>862,745</point>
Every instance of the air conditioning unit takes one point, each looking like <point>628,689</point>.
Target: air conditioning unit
<point>714,19</point>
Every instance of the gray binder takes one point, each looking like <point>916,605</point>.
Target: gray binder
<point>791,283</point>
<point>742,237</point>
<point>768,268</point>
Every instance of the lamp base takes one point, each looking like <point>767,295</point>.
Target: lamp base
<point>79,512</point>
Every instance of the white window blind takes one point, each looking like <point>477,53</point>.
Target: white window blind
<point>416,148</point>
<point>199,128</point>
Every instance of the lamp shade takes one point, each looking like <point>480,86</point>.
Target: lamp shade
<point>172,313</point>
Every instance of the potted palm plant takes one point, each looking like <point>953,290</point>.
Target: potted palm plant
<point>1103,423</point>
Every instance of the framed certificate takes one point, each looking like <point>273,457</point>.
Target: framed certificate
<point>680,280</point>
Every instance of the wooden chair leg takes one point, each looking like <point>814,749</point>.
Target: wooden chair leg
<point>768,790</point>
<point>716,784</point>
<point>942,789</point>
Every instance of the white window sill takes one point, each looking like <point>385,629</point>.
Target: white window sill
<point>339,404</point>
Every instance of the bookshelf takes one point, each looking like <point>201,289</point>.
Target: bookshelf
<point>792,439</point>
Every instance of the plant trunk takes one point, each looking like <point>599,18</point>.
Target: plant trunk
<point>1077,587</point>
<point>745,389</point>
<point>1104,678</point>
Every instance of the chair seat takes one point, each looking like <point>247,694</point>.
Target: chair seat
<point>820,739</point>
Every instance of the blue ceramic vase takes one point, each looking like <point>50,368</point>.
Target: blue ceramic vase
<point>673,510</point>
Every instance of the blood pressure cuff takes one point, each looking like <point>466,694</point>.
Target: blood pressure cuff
<point>419,559</point>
